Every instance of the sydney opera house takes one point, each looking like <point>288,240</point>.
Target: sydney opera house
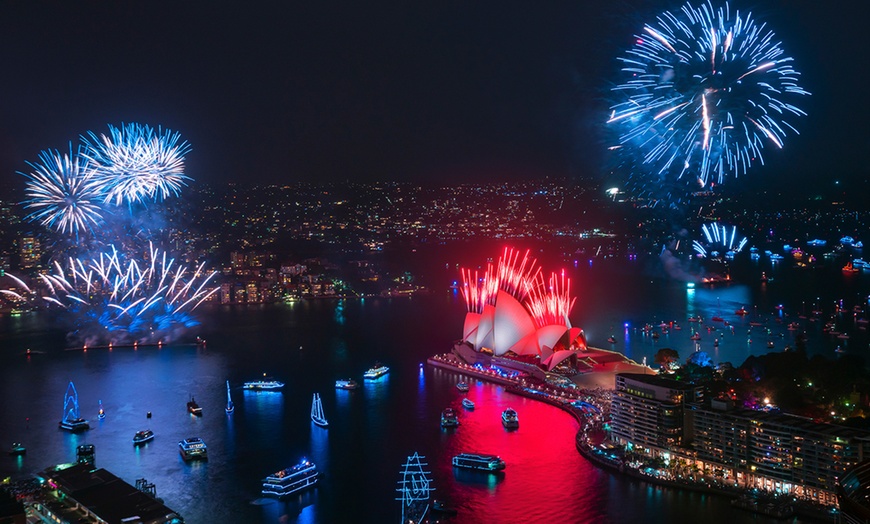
<point>515,312</point>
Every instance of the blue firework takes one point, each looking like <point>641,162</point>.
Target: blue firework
<point>61,193</point>
<point>703,92</point>
<point>135,163</point>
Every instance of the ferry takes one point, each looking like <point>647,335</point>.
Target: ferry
<point>291,480</point>
<point>74,425</point>
<point>478,461</point>
<point>467,403</point>
<point>142,437</point>
<point>194,408</point>
<point>193,448</point>
<point>509,418</point>
<point>449,419</point>
<point>266,384</point>
<point>346,384</point>
<point>376,371</point>
<point>462,386</point>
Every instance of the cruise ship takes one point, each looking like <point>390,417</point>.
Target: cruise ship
<point>266,384</point>
<point>193,448</point>
<point>449,419</point>
<point>478,461</point>
<point>509,418</point>
<point>142,437</point>
<point>291,480</point>
<point>346,384</point>
<point>376,371</point>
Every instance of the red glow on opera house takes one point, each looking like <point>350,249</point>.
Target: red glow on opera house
<point>513,310</point>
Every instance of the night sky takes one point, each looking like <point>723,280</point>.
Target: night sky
<point>272,92</point>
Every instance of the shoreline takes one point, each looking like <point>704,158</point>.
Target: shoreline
<point>452,363</point>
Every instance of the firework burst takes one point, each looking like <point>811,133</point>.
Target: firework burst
<point>61,195</point>
<point>704,91</point>
<point>117,298</point>
<point>135,163</point>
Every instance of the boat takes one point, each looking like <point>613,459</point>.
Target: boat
<point>462,386</point>
<point>770,343</point>
<point>193,448</point>
<point>843,336</point>
<point>467,403</point>
<point>509,418</point>
<point>415,488</point>
<point>611,340</point>
<point>717,318</point>
<point>449,418</point>
<point>850,268</point>
<point>230,407</point>
<point>346,384</point>
<point>72,420</point>
<point>478,461</point>
<point>101,414</point>
<point>266,384</point>
<point>194,408</point>
<point>291,480</point>
<point>141,437</point>
<point>317,411</point>
<point>86,454</point>
<point>439,506</point>
<point>696,336</point>
<point>17,449</point>
<point>376,371</point>
<point>742,311</point>
<point>695,319</point>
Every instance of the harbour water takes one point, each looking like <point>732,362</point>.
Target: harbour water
<point>310,344</point>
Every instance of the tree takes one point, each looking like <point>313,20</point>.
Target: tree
<point>666,356</point>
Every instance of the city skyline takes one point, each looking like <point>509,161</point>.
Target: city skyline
<point>448,92</point>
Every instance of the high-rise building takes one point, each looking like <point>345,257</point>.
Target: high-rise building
<point>30,252</point>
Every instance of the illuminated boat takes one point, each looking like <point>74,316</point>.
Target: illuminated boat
<point>376,371</point>
<point>467,403</point>
<point>230,406</point>
<point>510,419</point>
<point>449,418</point>
<point>101,413</point>
<point>696,336</point>
<point>267,384</point>
<point>742,311</point>
<point>317,415</point>
<point>291,480</point>
<point>193,448</point>
<point>141,437</point>
<point>462,386</point>
<point>86,454</point>
<point>611,340</point>
<point>346,384</point>
<point>72,420</point>
<point>194,408</point>
<point>478,461</point>
<point>17,449</point>
<point>75,425</point>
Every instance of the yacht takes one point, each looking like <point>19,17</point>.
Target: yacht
<point>193,448</point>
<point>142,437</point>
<point>467,403</point>
<point>266,384</point>
<point>346,384</point>
<point>376,371</point>
<point>509,418</point>
<point>291,480</point>
<point>194,408</point>
<point>449,419</point>
<point>478,461</point>
<point>317,415</point>
<point>462,386</point>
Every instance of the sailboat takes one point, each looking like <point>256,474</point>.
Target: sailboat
<point>317,412</point>
<point>101,413</point>
<point>230,406</point>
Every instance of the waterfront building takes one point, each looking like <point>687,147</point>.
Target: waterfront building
<point>776,452</point>
<point>29,251</point>
<point>81,493</point>
<point>647,412</point>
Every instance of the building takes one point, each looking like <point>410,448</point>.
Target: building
<point>776,452</point>
<point>648,412</point>
<point>30,252</point>
<point>82,494</point>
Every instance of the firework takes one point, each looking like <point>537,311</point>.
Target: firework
<point>61,194</point>
<point>135,163</point>
<point>117,298</point>
<point>704,92</point>
<point>718,236</point>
